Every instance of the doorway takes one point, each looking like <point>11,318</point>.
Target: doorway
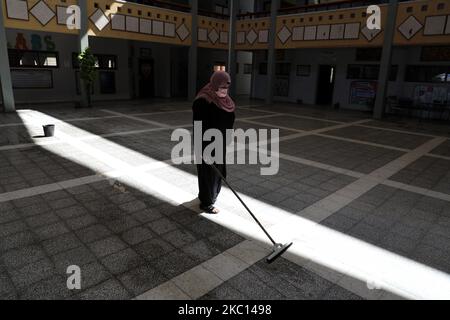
<point>325,85</point>
<point>179,79</point>
<point>146,78</point>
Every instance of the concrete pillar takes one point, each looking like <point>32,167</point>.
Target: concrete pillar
<point>5,72</point>
<point>386,57</point>
<point>271,56</point>
<point>83,43</point>
<point>234,5</point>
<point>193,52</point>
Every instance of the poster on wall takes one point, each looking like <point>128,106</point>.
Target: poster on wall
<point>363,92</point>
<point>428,94</point>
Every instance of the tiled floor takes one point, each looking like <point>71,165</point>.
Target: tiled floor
<point>356,196</point>
<point>399,221</point>
<point>427,172</point>
<point>343,154</point>
<point>379,136</point>
<point>443,149</point>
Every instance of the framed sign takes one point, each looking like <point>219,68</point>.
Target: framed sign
<point>363,92</point>
<point>429,94</point>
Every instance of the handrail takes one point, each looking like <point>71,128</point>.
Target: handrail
<point>328,5</point>
<point>253,15</point>
<point>312,7</point>
<point>213,14</point>
<point>183,7</point>
<point>166,5</point>
<point>262,14</point>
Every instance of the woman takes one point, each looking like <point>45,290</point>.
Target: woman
<point>214,107</point>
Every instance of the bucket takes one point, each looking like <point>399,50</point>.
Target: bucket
<point>49,130</point>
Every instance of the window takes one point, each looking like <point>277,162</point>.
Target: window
<point>103,61</point>
<point>393,74</point>
<point>427,74</point>
<point>221,9</point>
<point>435,53</point>
<point>303,70</point>
<point>107,82</point>
<point>354,71</point>
<point>368,54</point>
<point>32,59</point>
<point>247,68</point>
<point>280,55</point>
<point>106,62</point>
<point>369,72</point>
<point>283,69</point>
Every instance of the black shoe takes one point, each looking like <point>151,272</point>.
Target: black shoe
<point>209,209</point>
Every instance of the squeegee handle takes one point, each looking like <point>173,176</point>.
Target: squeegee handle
<point>243,203</point>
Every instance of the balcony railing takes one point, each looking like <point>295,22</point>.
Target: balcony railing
<point>253,15</point>
<point>180,7</point>
<point>164,4</point>
<point>313,8</point>
<point>330,6</point>
<point>213,14</point>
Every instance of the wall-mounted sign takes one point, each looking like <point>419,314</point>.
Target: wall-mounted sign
<point>363,92</point>
<point>35,42</point>
<point>428,94</point>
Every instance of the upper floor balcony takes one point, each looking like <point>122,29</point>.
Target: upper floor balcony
<point>205,8</point>
<point>332,24</point>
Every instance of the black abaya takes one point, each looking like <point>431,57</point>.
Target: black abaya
<point>209,182</point>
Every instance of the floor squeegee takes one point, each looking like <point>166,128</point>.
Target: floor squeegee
<point>278,248</point>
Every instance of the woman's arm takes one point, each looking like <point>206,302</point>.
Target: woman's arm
<point>201,112</point>
<point>233,118</point>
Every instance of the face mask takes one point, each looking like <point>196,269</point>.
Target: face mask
<point>222,92</point>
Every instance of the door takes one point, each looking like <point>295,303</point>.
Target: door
<point>146,78</point>
<point>325,85</point>
<point>179,79</point>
